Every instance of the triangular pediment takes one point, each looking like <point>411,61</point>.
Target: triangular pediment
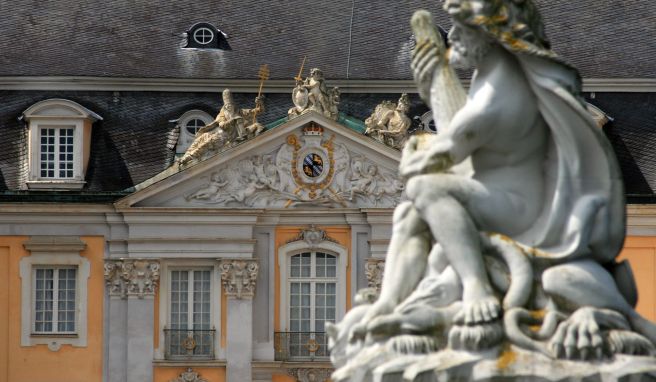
<point>309,161</point>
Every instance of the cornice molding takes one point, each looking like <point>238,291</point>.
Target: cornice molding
<point>79,83</point>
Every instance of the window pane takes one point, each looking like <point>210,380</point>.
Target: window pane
<point>201,312</point>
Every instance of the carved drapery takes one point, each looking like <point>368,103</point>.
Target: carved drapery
<point>374,269</point>
<point>239,277</point>
<point>189,376</point>
<point>132,277</point>
<point>310,374</point>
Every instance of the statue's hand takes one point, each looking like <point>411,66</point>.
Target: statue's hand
<point>425,59</point>
<point>416,161</point>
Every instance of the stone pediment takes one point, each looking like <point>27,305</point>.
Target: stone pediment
<point>309,161</point>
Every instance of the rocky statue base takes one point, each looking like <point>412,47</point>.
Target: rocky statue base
<point>503,363</point>
<point>502,264</point>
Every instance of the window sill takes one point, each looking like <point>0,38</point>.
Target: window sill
<point>189,363</point>
<point>54,335</point>
<point>59,184</point>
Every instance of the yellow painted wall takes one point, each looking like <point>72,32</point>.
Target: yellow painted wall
<point>37,363</point>
<point>211,374</point>
<point>640,251</point>
<point>282,378</point>
<point>341,235</point>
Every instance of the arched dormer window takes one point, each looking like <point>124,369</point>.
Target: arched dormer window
<point>206,36</point>
<point>59,143</point>
<point>189,123</point>
<point>312,292</point>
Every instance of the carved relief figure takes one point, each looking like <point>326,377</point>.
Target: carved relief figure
<point>266,181</point>
<point>503,239</point>
<point>312,94</point>
<point>231,126</point>
<point>389,122</point>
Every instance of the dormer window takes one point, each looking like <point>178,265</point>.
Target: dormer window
<point>206,36</point>
<point>203,36</point>
<point>189,124</point>
<point>59,142</point>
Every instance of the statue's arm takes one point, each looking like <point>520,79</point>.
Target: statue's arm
<point>471,128</point>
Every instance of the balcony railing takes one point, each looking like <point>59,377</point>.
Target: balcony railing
<point>184,344</point>
<point>301,346</point>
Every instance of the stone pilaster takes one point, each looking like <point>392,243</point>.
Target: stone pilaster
<point>131,285</point>
<point>239,280</point>
<point>374,269</point>
<point>131,277</point>
<point>239,277</point>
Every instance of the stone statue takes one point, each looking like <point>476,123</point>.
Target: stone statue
<point>389,123</point>
<point>231,126</point>
<point>514,220</point>
<point>312,94</point>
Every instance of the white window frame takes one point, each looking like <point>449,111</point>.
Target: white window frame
<point>35,158</point>
<point>212,34</point>
<point>185,138</point>
<point>55,299</point>
<point>53,252</point>
<point>165,302</point>
<point>285,253</point>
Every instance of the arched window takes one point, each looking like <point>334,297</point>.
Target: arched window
<point>312,286</point>
<point>312,292</point>
<point>189,124</point>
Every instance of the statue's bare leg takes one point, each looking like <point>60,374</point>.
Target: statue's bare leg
<point>406,262</point>
<point>456,209</point>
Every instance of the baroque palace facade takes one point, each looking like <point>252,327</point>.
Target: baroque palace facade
<point>144,237</point>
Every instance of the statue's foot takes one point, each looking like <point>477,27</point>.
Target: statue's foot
<point>478,311</point>
<point>385,326</point>
<point>476,337</point>
<point>477,325</point>
<point>581,336</point>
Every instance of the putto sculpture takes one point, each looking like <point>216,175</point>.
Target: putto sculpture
<point>312,94</point>
<point>231,126</point>
<point>503,260</point>
<point>389,123</point>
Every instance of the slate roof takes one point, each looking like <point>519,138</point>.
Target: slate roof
<point>346,38</point>
<point>130,144</point>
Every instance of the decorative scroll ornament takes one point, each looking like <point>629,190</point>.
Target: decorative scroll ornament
<point>189,376</point>
<point>131,277</point>
<point>239,277</point>
<point>374,269</point>
<point>312,236</point>
<point>310,374</point>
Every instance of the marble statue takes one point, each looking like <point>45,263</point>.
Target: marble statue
<point>507,244</point>
<point>312,94</point>
<point>389,123</point>
<point>231,126</point>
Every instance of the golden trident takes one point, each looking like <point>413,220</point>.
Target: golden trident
<point>300,72</point>
<point>263,75</point>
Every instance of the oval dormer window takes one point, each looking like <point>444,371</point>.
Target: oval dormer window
<point>206,36</point>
